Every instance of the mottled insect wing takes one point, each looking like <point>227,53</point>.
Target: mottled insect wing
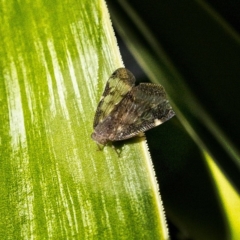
<point>143,108</point>
<point>118,85</point>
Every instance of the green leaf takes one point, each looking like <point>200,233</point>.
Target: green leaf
<point>55,60</point>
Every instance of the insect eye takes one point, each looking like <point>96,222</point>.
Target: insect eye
<point>114,74</point>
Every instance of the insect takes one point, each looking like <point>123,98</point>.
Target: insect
<point>126,110</point>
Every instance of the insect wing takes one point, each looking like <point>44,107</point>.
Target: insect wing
<point>143,108</point>
<point>118,85</point>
